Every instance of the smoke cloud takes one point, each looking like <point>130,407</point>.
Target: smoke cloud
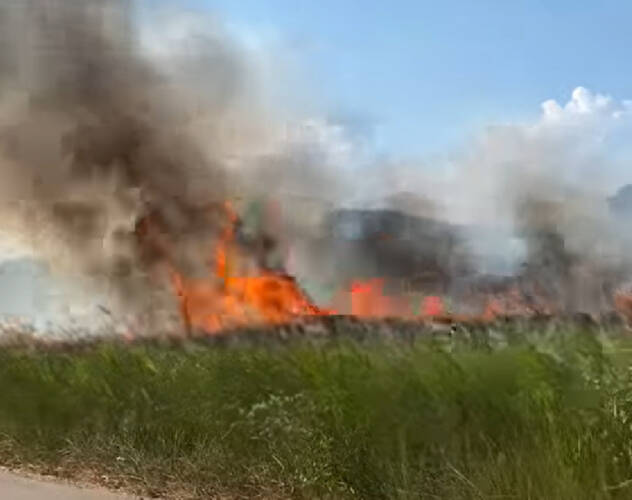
<point>545,185</point>
<point>105,120</point>
<point>95,134</point>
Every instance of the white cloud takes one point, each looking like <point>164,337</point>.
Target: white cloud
<point>583,102</point>
<point>584,108</point>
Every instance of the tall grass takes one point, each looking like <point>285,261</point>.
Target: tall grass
<point>545,419</point>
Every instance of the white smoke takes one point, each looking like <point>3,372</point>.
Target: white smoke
<point>576,149</point>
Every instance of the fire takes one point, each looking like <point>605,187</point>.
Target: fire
<point>240,301</point>
<point>513,303</point>
<point>623,304</point>
<point>224,299</point>
<point>369,300</point>
<point>231,295</point>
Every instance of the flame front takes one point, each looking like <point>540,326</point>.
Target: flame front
<point>237,292</point>
<point>211,305</point>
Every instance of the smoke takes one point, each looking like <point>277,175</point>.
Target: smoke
<point>526,200</point>
<point>546,184</point>
<point>551,181</point>
<point>104,121</point>
<point>107,123</point>
<point>97,131</point>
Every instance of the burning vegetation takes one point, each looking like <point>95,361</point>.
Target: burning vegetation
<point>110,177</point>
<point>236,290</point>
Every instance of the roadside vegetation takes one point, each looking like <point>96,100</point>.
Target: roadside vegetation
<point>512,414</point>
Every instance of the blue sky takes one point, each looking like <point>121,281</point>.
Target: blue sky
<point>428,73</point>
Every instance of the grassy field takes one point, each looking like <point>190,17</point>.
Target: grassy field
<point>520,414</point>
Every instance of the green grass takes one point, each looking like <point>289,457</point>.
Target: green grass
<point>529,417</point>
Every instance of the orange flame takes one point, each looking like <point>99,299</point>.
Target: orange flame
<point>238,300</point>
<point>369,300</point>
<point>230,297</point>
<point>623,305</point>
<point>433,306</point>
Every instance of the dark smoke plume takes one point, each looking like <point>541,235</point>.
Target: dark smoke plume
<point>93,138</point>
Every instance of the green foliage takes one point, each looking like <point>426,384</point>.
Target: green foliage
<point>503,415</point>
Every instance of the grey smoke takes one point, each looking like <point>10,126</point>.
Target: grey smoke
<point>94,136</point>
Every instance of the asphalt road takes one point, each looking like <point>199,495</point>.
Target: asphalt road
<point>15,487</point>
